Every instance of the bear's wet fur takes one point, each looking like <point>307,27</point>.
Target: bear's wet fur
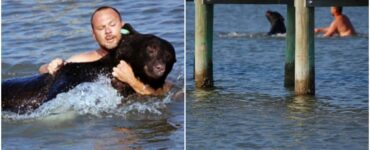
<point>277,22</point>
<point>150,57</point>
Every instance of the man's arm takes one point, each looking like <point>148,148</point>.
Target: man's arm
<point>58,63</point>
<point>52,67</point>
<point>331,30</point>
<point>321,30</point>
<point>124,73</point>
<point>44,69</point>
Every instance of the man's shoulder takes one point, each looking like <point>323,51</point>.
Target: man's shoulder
<point>84,57</point>
<point>341,18</point>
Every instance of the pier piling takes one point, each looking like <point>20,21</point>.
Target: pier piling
<point>290,47</point>
<point>203,44</point>
<point>304,51</point>
<point>299,52</point>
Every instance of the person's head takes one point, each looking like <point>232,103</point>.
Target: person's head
<point>106,25</point>
<point>336,10</point>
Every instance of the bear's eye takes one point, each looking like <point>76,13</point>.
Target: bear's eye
<point>151,50</point>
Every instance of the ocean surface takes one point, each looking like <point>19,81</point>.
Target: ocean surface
<point>90,116</point>
<point>249,108</point>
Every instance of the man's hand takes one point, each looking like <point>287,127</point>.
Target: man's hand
<point>124,72</point>
<point>321,30</point>
<point>55,65</point>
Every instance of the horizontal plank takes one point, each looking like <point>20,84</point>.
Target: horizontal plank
<point>309,3</point>
<point>327,3</point>
<point>248,1</point>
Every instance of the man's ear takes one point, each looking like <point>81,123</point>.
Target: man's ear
<point>122,23</point>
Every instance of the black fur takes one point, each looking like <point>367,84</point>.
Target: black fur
<point>276,21</point>
<point>26,94</point>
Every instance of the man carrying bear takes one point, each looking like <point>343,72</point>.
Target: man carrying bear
<point>106,24</point>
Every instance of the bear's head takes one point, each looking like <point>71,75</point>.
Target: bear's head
<point>150,57</point>
<point>276,21</point>
<point>274,17</point>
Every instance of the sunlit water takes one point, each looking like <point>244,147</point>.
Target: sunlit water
<point>92,115</point>
<point>249,108</point>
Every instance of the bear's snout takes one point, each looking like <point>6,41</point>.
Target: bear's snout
<point>159,68</point>
<point>155,69</point>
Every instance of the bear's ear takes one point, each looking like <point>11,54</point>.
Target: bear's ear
<point>153,46</point>
<point>123,51</point>
<point>128,27</point>
<point>152,49</point>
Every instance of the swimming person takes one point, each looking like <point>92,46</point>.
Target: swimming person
<point>341,25</point>
<point>106,25</point>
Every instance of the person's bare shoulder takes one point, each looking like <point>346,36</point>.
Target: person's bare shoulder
<point>340,18</point>
<point>84,57</point>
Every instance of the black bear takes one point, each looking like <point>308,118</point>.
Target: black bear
<point>150,57</point>
<point>276,21</point>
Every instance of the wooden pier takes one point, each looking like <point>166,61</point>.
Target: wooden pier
<point>299,53</point>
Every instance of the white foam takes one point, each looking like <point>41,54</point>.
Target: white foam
<point>279,35</point>
<point>233,35</point>
<point>247,35</point>
<point>97,98</point>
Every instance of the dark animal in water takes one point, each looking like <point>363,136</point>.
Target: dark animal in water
<point>276,21</point>
<point>150,57</point>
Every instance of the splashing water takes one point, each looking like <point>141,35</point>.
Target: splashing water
<point>247,35</point>
<point>260,35</point>
<point>98,99</point>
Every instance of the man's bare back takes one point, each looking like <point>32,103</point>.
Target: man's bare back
<point>344,26</point>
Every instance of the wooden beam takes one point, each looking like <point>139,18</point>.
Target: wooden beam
<point>304,51</point>
<point>247,1</point>
<point>203,45</point>
<point>328,3</point>
<point>309,3</point>
<point>290,47</point>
